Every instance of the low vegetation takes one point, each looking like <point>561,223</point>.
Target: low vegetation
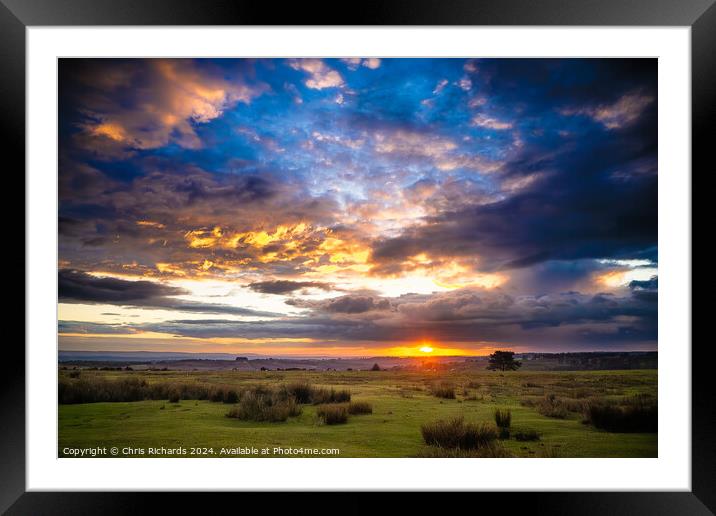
<point>282,407</point>
<point>443,390</point>
<point>96,390</point>
<point>526,435</point>
<point>551,406</point>
<point>456,433</point>
<point>503,418</point>
<point>306,393</point>
<point>333,414</point>
<point>636,414</point>
<point>489,450</point>
<point>359,407</point>
<point>174,396</point>
<point>265,406</point>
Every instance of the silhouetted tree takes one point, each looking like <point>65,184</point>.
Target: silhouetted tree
<point>375,367</point>
<point>503,361</point>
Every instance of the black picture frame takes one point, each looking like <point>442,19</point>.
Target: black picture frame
<point>17,15</point>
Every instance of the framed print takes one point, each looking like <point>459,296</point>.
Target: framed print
<point>437,249</point>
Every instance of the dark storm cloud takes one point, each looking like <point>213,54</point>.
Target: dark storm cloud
<point>646,290</point>
<point>353,304</point>
<point>79,287</point>
<point>286,286</point>
<point>574,209</point>
<point>588,196</point>
<point>650,284</point>
<point>459,316</point>
<point>94,328</point>
<point>240,189</point>
<point>619,334</point>
<point>559,82</point>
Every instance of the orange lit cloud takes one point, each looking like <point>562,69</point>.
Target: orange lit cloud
<point>180,96</point>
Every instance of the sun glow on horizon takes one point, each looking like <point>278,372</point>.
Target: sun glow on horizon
<point>426,349</point>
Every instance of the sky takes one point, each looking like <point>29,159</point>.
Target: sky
<point>358,206</point>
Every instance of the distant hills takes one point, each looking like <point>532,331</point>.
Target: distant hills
<point>601,360</point>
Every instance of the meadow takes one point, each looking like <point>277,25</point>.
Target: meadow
<point>385,413</point>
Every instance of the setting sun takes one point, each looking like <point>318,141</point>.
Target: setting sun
<point>426,349</point>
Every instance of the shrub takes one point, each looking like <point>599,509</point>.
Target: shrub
<point>231,396</point>
<point>320,396</point>
<point>634,415</point>
<point>187,391</point>
<point>216,395</point>
<point>443,390</point>
<point>455,433</point>
<point>527,435</point>
<point>74,374</point>
<point>333,414</point>
<point>303,391</point>
<point>551,406</point>
<point>573,405</point>
<point>503,418</point>
<point>256,406</point>
<point>94,390</point>
<point>174,396</point>
<point>359,407</point>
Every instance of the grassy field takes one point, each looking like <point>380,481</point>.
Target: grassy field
<point>401,403</point>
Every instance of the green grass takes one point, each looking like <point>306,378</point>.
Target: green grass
<point>401,401</point>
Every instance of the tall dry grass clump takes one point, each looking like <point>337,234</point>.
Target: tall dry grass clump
<point>301,391</point>
<point>359,407</point>
<point>503,418</point>
<point>443,390</point>
<point>96,390</point>
<point>456,433</point>
<point>551,406</point>
<point>333,414</point>
<point>306,393</point>
<point>330,396</point>
<point>636,414</point>
<point>262,406</point>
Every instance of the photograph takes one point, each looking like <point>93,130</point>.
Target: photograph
<point>357,257</point>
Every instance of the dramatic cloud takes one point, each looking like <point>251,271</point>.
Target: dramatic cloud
<point>286,286</point>
<point>360,201</point>
<point>155,102</point>
<point>344,304</point>
<point>466,316</point>
<point>79,287</point>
